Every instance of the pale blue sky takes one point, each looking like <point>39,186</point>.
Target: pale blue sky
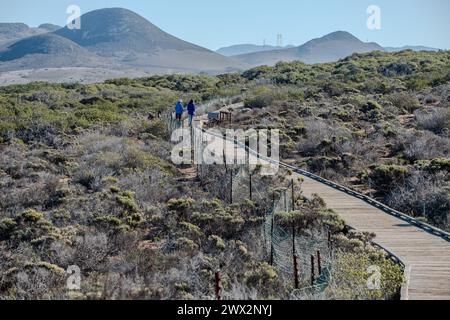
<point>217,23</point>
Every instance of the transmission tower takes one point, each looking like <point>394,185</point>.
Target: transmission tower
<point>279,40</point>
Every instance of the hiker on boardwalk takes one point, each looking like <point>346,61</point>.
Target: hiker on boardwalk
<point>191,111</point>
<point>179,109</point>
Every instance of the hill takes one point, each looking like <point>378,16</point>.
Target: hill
<point>10,32</point>
<point>49,26</point>
<point>332,47</point>
<point>49,50</point>
<point>115,38</point>
<point>134,41</point>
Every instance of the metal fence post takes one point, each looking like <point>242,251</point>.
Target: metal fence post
<point>271,242</point>
<point>218,287</point>
<point>250,183</point>
<point>225,160</point>
<point>231,186</point>
<point>329,239</point>
<point>292,193</point>
<point>271,228</point>
<point>293,239</point>
<point>319,263</point>
<point>296,281</point>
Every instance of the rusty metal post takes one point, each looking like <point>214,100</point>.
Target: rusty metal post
<point>192,144</point>
<point>271,242</point>
<point>319,263</point>
<point>329,239</point>
<point>313,278</point>
<point>231,186</point>
<point>250,183</point>
<point>293,239</point>
<point>225,160</point>
<point>292,191</point>
<point>271,229</point>
<point>218,287</point>
<point>296,281</point>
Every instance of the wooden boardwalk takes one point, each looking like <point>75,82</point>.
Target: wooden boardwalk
<point>426,256</point>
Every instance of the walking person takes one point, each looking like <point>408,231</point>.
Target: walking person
<point>191,111</point>
<point>179,109</point>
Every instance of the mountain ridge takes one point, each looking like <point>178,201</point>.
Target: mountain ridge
<point>122,37</point>
<point>331,47</point>
<point>11,32</point>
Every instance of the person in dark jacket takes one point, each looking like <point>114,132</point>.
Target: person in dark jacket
<point>179,109</point>
<point>191,111</point>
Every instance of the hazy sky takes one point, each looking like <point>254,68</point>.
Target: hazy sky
<point>217,23</point>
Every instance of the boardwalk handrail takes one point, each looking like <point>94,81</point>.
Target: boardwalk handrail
<point>425,226</point>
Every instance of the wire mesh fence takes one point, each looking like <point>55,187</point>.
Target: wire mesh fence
<point>295,255</point>
<point>304,256</point>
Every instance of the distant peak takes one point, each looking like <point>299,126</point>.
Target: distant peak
<point>18,26</point>
<point>49,26</point>
<point>115,11</point>
<point>340,35</point>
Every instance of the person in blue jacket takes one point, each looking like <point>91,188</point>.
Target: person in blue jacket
<point>179,109</point>
<point>191,111</point>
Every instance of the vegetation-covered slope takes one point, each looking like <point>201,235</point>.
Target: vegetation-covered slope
<point>86,178</point>
<point>377,122</point>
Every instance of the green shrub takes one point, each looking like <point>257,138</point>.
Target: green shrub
<point>405,102</point>
<point>186,244</point>
<point>353,270</point>
<point>385,177</point>
<point>435,165</point>
<point>126,200</point>
<point>192,229</point>
<point>218,242</point>
<point>181,206</point>
<point>372,110</point>
<point>260,101</point>
<point>32,215</point>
